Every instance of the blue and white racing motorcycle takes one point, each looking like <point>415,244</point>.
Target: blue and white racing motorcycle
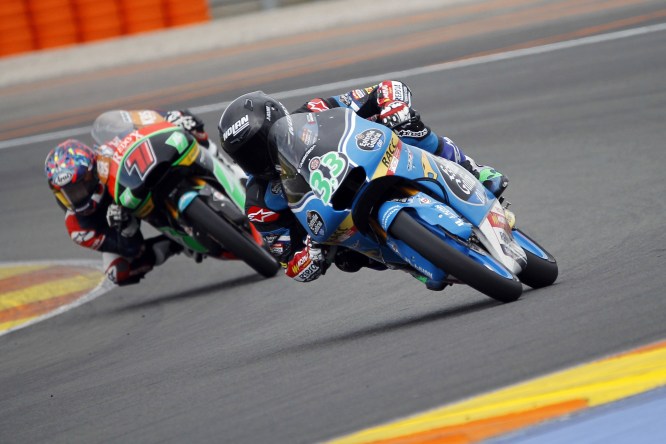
<point>353,183</point>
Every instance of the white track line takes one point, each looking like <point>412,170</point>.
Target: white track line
<point>351,83</point>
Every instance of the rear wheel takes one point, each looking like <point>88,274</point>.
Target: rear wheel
<point>233,238</point>
<point>452,261</point>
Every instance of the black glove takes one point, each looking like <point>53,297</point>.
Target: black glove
<point>185,119</point>
<point>122,220</point>
<point>190,123</point>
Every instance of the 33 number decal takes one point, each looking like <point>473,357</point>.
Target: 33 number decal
<point>323,184</point>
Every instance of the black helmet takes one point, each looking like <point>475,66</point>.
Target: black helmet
<point>244,128</point>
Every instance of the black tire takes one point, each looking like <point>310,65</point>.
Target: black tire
<point>539,272</point>
<point>449,259</point>
<point>233,238</point>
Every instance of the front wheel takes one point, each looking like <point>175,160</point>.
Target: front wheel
<point>233,238</point>
<point>452,261</point>
<point>541,270</point>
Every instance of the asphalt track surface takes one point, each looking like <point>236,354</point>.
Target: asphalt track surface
<point>214,353</point>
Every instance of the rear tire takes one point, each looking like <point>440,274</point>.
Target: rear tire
<point>452,261</point>
<point>233,238</point>
<point>539,272</point>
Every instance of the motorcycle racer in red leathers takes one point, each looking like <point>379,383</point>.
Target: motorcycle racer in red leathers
<point>91,218</point>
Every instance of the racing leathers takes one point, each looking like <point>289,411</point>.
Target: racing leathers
<point>389,103</point>
<point>113,230</point>
<point>107,228</point>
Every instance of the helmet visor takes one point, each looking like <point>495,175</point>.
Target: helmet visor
<point>77,195</point>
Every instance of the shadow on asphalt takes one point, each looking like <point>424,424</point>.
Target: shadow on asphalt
<point>369,331</point>
<point>193,292</point>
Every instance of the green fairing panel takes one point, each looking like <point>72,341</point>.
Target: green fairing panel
<point>186,240</point>
<point>230,182</point>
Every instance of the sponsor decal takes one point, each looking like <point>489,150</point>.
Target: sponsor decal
<point>305,156</point>
<point>315,222</point>
<point>277,248</point>
<point>268,113</point>
<point>179,141</point>
<point>103,168</point>
<point>370,139</point>
<point>276,187</point>
<point>317,105</point>
<point>314,163</point>
<point>446,211</point>
<point>358,94</point>
<point>344,231</point>
<point>392,156</point>
<point>464,186</point>
<point>387,91</point>
<point>148,117</point>
<point>424,200</point>
<point>498,220</point>
<point>263,215</point>
<point>270,238</point>
<point>62,178</point>
<point>387,216</point>
<point>122,145</point>
<point>235,129</point>
<point>310,118</point>
<point>306,274</point>
<point>409,133</point>
<point>346,99</point>
<point>343,235</point>
<point>410,160</point>
<point>420,269</point>
<point>307,136</point>
<point>399,92</point>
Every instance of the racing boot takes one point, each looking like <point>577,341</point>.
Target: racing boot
<point>492,179</point>
<point>162,248</point>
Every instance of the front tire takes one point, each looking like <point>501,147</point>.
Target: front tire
<point>233,238</point>
<point>452,261</point>
<point>540,272</point>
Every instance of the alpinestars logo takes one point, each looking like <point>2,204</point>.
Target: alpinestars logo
<point>317,105</point>
<point>257,214</point>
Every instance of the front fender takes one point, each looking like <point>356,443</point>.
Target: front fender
<point>432,212</point>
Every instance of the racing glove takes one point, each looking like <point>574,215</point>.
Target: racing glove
<point>307,264</point>
<point>394,114</point>
<point>190,123</point>
<point>122,220</point>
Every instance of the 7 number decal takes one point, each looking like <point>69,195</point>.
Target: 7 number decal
<point>141,158</point>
